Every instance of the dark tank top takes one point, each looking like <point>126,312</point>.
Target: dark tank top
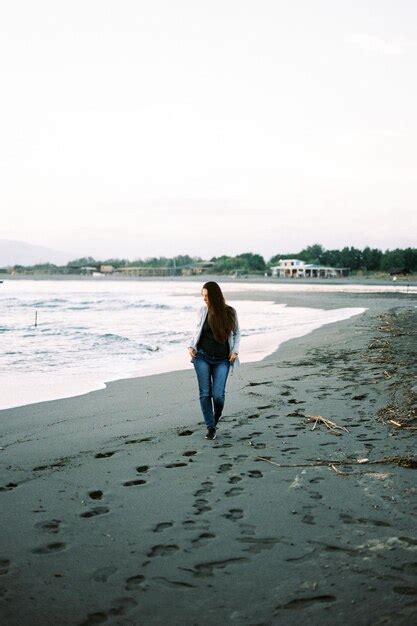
<point>208,343</point>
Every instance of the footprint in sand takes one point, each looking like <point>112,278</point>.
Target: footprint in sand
<point>225,467</point>
<point>4,566</point>
<point>234,479</point>
<point>103,574</point>
<point>173,584</point>
<point>163,550</point>
<point>134,483</point>
<point>208,569</point>
<point>98,510</point>
<point>188,523</point>
<point>348,519</point>
<point>40,468</point>
<point>142,468</point>
<point>96,495</point>
<point>234,514</point>
<point>8,487</point>
<point>301,603</point>
<point>255,474</point>
<point>144,439</point>
<point>135,582</point>
<point>50,548</point>
<point>120,606</point>
<point>202,506</point>
<point>185,433</point>
<point>206,488</point>
<point>104,455</point>
<point>162,526</point>
<point>178,464</point>
<point>315,495</point>
<point>189,453</point>
<point>49,526</point>
<point>95,618</point>
<point>258,544</point>
<point>234,491</point>
<point>202,539</point>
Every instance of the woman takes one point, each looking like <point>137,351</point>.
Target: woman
<point>214,349</point>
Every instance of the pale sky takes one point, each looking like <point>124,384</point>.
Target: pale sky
<point>132,128</point>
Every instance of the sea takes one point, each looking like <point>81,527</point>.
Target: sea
<point>62,338</point>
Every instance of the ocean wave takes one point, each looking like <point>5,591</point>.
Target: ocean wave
<point>146,305</point>
<point>113,337</point>
<point>49,303</point>
<point>77,308</point>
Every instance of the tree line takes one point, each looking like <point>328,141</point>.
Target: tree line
<point>368,259</point>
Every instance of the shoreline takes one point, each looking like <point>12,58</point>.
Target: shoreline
<point>117,510</point>
<point>253,346</point>
<point>350,280</point>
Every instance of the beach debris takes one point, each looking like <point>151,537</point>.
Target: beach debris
<point>405,411</point>
<point>332,426</point>
<point>408,462</point>
<point>398,367</point>
<point>337,470</point>
<point>395,423</point>
<point>257,445</point>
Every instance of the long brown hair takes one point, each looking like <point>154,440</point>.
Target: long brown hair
<point>221,316</point>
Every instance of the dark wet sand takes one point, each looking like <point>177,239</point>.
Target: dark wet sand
<point>116,510</point>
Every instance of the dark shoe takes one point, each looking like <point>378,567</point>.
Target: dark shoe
<point>211,433</point>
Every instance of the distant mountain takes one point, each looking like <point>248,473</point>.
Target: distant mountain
<point>22,253</point>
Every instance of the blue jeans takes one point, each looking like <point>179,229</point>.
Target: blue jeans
<point>212,375</point>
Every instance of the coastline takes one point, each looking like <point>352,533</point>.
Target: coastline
<point>222,278</point>
<point>63,384</point>
<point>117,508</point>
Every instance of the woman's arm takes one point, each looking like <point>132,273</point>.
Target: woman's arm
<point>236,335</point>
<point>235,343</point>
<point>192,345</point>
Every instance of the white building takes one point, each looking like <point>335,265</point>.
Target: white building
<point>295,268</point>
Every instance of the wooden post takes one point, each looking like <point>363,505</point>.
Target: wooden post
<point>36,319</point>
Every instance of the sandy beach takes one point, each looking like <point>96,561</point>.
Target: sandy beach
<point>116,510</point>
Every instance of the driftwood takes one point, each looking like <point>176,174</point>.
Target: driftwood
<point>400,425</point>
<point>332,426</point>
<point>408,462</point>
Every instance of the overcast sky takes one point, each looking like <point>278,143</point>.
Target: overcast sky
<point>133,128</point>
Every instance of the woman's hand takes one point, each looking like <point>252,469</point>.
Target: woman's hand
<point>233,356</point>
<point>192,352</point>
